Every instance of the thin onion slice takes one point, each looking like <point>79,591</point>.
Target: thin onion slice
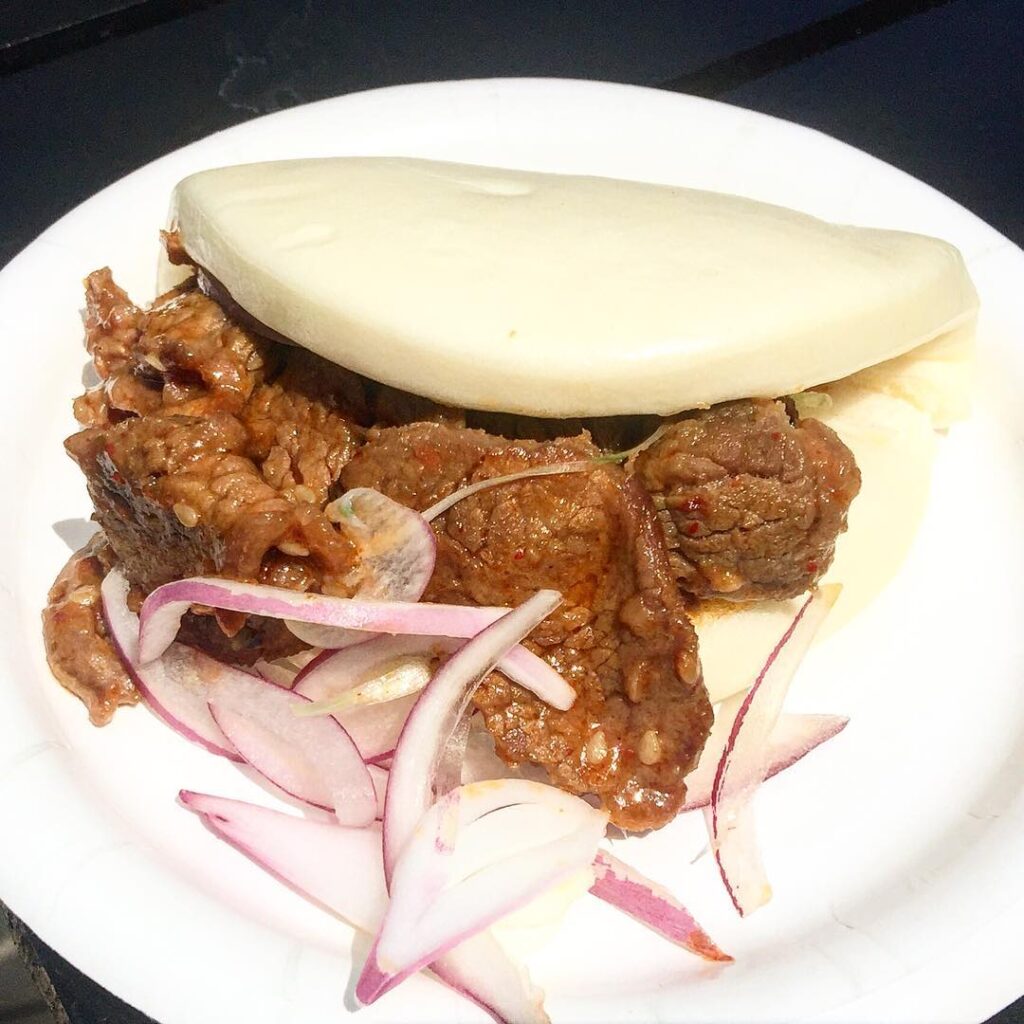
<point>479,853</point>
<point>624,888</point>
<point>283,671</point>
<point>793,738</point>
<point>744,761</point>
<point>555,469</point>
<point>162,611</point>
<point>436,714</point>
<point>333,672</point>
<point>278,673</point>
<point>480,966</point>
<point>312,759</point>
<point>379,779</point>
<point>341,869</point>
<point>448,774</point>
<point>374,728</point>
<point>337,867</point>
<point>629,453</point>
<point>246,718</point>
<point>397,550</point>
<point>177,686</point>
<point>376,671</point>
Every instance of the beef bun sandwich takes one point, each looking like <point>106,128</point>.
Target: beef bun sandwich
<point>730,373</point>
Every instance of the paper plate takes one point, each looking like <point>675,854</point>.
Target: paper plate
<point>894,852</point>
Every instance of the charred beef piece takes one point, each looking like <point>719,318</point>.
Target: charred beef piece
<point>205,450</point>
<point>751,502</point>
<point>78,649</point>
<point>621,638</point>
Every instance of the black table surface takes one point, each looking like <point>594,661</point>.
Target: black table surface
<point>92,89</point>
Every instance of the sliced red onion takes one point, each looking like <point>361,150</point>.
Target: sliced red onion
<point>652,905</point>
<point>376,671</point>
<point>379,778</point>
<point>162,611</point>
<point>397,550</point>
<point>448,774</point>
<point>629,453</point>
<point>374,728</point>
<point>479,853</point>
<point>481,761</point>
<point>793,737</point>
<point>177,686</point>
<point>312,759</point>
<point>479,966</point>
<point>481,971</point>
<point>436,714</point>
<point>339,868</point>
<point>280,673</point>
<point>745,759</point>
<point>555,469</point>
<point>334,672</point>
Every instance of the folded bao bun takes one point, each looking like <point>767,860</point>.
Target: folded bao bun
<point>556,295</point>
<point>561,296</point>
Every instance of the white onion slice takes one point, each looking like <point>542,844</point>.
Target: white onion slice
<point>482,851</point>
<point>793,737</point>
<point>744,761</point>
<point>178,685</point>
<point>397,550</point>
<point>162,611</point>
<point>312,759</point>
<point>652,905</point>
<point>337,867</point>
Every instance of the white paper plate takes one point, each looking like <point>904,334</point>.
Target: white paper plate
<point>895,854</point>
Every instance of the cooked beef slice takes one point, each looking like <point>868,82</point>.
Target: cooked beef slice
<point>208,449</point>
<point>621,637</point>
<point>751,502</point>
<point>78,649</point>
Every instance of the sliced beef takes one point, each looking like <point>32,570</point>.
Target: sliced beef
<point>751,502</point>
<point>621,637</point>
<point>78,649</point>
<point>208,449</point>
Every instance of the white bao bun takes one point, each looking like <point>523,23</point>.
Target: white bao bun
<point>555,295</point>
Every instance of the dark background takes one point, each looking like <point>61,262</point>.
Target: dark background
<point>91,89</point>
